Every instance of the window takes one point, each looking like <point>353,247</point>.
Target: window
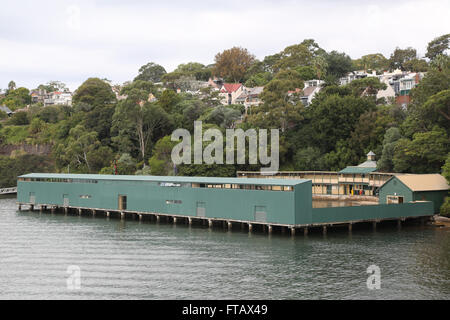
<point>173,201</point>
<point>85,196</point>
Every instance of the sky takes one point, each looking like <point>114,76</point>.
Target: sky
<point>72,40</point>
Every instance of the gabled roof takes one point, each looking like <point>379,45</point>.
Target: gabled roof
<point>424,182</point>
<point>231,87</point>
<point>174,179</point>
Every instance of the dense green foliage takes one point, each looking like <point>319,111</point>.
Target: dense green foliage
<point>132,136</point>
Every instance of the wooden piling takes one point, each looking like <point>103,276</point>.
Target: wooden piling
<point>229,225</point>
<point>305,231</point>
<point>350,227</point>
<point>210,223</point>
<point>269,229</point>
<point>324,230</point>
<point>292,231</point>
<point>250,227</point>
<point>122,215</point>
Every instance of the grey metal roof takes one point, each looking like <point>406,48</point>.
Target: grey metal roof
<point>206,180</point>
<point>368,164</point>
<point>358,170</point>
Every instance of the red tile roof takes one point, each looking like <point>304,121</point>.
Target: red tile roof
<point>231,87</point>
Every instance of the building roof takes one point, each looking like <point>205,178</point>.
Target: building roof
<point>358,170</point>
<point>231,87</point>
<point>368,164</point>
<point>174,179</point>
<point>308,91</point>
<point>371,153</point>
<point>255,90</point>
<point>424,182</point>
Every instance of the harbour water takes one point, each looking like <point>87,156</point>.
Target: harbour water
<point>145,260</point>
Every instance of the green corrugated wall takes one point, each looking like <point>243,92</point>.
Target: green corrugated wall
<point>236,204</point>
<point>372,212</point>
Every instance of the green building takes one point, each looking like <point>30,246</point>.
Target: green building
<point>271,201</point>
<point>403,188</point>
<point>277,202</point>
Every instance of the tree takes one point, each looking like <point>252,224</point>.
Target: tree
<point>259,80</point>
<point>137,121</point>
<point>282,105</point>
<point>391,137</point>
<point>339,64</point>
<point>438,46</point>
<point>151,72</point>
<point>416,65</point>
<point>309,158</point>
<point>11,86</point>
<point>400,56</point>
<point>19,119</point>
<point>17,98</point>
<point>161,161</point>
<point>297,55</point>
<point>223,117</point>
<point>333,118</point>
<point>425,153</point>
<point>445,209</point>
<point>80,150</point>
<point>232,64</point>
<point>194,69</point>
<point>374,61</point>
<point>94,92</point>
<point>368,86</point>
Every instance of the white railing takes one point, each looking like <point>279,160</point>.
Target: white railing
<point>8,190</point>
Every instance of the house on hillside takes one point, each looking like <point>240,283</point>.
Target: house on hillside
<point>250,97</point>
<point>230,92</point>
<point>58,98</point>
<point>312,87</point>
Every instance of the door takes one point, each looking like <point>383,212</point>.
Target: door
<point>260,214</point>
<point>32,198</point>
<point>201,209</point>
<point>65,200</point>
<point>122,202</point>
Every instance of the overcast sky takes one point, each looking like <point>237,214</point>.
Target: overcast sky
<point>73,40</point>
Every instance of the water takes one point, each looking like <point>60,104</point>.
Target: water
<point>132,260</point>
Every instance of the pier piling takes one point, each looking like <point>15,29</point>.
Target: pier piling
<point>292,231</point>
<point>250,227</point>
<point>324,230</point>
<point>305,231</point>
